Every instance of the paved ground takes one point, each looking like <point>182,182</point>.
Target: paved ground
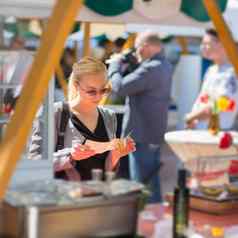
<point>168,173</point>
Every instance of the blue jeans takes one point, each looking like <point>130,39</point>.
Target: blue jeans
<point>144,167</point>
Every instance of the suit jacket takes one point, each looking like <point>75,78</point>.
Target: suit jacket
<point>61,158</point>
<point>148,96</point>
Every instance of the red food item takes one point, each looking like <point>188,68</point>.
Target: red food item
<point>225,141</point>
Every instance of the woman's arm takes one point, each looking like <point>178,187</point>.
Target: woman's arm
<point>65,158</point>
<point>61,158</point>
<point>99,147</point>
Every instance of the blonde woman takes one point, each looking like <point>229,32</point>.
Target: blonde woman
<point>89,137</point>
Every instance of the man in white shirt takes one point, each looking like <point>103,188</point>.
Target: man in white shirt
<point>219,80</point>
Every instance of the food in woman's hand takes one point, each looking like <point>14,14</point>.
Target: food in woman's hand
<point>121,144</point>
<point>122,147</point>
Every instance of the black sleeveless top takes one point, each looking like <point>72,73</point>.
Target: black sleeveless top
<point>97,161</point>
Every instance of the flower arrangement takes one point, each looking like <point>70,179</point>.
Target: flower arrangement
<point>221,104</point>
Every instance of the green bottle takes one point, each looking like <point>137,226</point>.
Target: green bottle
<point>181,206</point>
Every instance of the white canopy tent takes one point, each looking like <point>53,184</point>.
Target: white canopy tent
<point>163,13</point>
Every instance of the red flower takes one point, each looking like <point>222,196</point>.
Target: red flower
<point>204,98</point>
<point>225,141</point>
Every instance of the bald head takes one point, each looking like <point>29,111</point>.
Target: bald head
<point>148,37</point>
<point>147,45</point>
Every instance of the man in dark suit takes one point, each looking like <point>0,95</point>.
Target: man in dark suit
<point>147,91</point>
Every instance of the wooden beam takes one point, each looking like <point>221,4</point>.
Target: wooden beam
<point>86,39</point>
<point>183,44</point>
<point>223,31</point>
<point>130,42</point>
<point>35,87</point>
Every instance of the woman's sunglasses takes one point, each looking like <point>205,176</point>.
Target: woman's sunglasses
<point>94,92</point>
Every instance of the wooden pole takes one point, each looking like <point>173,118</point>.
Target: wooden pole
<point>35,87</point>
<point>86,39</point>
<point>183,44</point>
<point>223,31</point>
<point>59,71</point>
<point>130,42</point>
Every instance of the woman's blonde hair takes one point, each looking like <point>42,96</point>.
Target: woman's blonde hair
<point>86,65</point>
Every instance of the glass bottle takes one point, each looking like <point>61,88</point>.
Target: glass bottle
<point>181,207</point>
<point>214,124</point>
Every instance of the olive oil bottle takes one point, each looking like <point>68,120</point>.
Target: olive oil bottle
<point>181,206</point>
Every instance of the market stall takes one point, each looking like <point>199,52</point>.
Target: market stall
<point>212,211</point>
<point>45,62</point>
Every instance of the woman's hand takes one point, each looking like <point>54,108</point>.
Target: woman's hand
<point>190,123</point>
<point>80,152</point>
<point>122,147</point>
<point>192,118</point>
<point>99,147</point>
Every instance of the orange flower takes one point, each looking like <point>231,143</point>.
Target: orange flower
<point>225,104</point>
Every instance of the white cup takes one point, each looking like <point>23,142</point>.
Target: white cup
<point>96,174</point>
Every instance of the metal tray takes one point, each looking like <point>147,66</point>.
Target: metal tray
<point>101,215</point>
